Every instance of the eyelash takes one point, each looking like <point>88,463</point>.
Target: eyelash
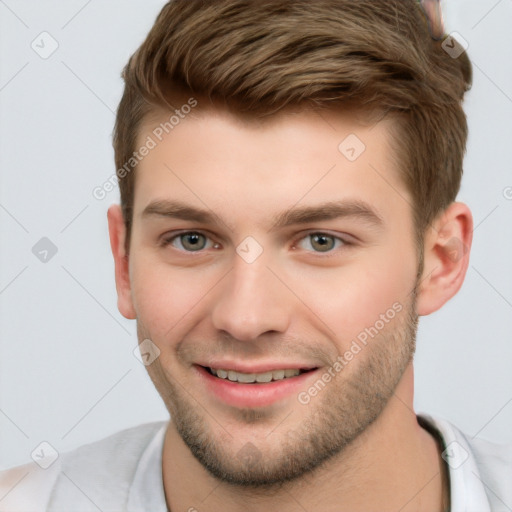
<point>167,240</point>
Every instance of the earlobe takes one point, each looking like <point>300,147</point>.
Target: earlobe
<point>447,247</point>
<point>117,233</point>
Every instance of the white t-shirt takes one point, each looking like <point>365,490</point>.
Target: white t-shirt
<point>123,473</point>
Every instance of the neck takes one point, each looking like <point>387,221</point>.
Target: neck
<point>393,465</point>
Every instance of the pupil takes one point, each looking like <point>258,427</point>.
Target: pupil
<point>323,241</point>
<point>192,240</point>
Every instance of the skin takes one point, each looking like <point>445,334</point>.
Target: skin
<point>357,445</point>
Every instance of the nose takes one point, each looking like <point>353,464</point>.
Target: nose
<point>251,301</point>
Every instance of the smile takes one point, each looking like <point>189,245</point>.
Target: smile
<point>250,378</point>
<point>253,389</point>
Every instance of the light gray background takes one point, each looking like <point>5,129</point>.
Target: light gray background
<point>67,371</point>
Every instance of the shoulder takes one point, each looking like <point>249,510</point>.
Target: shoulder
<point>494,462</point>
<point>100,471</point>
<point>27,488</point>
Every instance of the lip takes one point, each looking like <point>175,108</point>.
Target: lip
<point>253,395</point>
<point>256,368</point>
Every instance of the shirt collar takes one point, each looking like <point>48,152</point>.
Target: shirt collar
<point>467,491</point>
<point>147,489</point>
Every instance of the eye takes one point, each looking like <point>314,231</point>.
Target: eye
<point>322,242</point>
<point>195,241</point>
<point>189,241</point>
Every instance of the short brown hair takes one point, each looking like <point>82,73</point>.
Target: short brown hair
<point>257,57</point>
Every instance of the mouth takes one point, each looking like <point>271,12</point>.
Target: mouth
<point>248,390</point>
<point>257,378</point>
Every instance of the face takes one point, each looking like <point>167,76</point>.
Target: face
<point>259,248</point>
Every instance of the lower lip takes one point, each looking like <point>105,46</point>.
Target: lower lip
<point>253,395</point>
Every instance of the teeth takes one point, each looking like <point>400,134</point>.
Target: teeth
<point>248,378</point>
<point>264,377</point>
<point>278,375</point>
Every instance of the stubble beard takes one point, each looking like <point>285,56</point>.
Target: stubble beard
<point>345,408</point>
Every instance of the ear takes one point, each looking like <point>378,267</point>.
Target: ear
<point>117,233</point>
<point>447,246</point>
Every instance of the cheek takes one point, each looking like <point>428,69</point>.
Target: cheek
<point>352,298</point>
<point>165,298</point>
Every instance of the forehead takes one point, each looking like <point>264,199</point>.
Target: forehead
<point>246,168</point>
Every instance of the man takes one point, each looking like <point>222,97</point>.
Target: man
<point>288,174</point>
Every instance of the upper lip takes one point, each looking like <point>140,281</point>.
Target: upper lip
<point>257,367</point>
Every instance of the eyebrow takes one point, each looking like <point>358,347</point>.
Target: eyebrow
<point>355,209</point>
